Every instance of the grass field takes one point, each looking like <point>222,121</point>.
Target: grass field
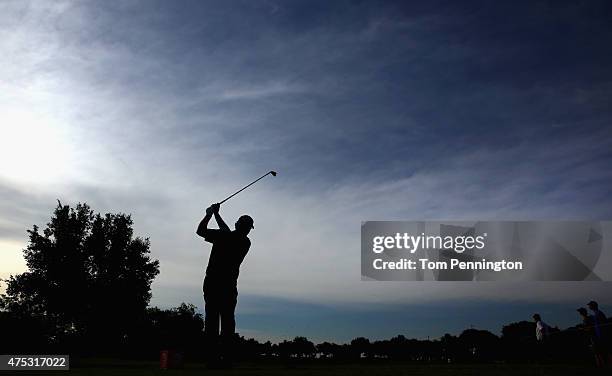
<point>128,368</point>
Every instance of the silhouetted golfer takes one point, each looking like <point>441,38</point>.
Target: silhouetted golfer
<point>220,284</point>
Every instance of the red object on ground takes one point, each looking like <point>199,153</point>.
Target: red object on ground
<point>163,359</point>
<point>169,359</point>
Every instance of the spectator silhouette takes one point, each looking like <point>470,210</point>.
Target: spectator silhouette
<point>592,332</point>
<point>601,321</point>
<point>600,317</point>
<point>220,284</point>
<point>542,333</point>
<point>542,329</point>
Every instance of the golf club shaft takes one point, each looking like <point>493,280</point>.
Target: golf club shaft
<point>246,186</point>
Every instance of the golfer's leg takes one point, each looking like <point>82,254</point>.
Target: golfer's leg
<point>228,323</point>
<point>211,322</point>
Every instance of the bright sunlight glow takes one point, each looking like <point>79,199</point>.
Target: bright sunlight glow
<point>33,148</point>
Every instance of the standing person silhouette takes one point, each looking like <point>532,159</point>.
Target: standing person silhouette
<point>542,332</point>
<point>592,333</point>
<point>220,284</point>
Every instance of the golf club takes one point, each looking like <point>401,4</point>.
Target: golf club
<point>273,173</point>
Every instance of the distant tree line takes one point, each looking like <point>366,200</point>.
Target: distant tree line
<point>181,329</point>
<point>87,290</point>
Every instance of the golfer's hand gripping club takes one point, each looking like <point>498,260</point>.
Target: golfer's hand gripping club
<point>213,209</point>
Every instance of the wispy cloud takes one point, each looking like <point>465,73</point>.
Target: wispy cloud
<point>378,112</point>
<point>261,91</point>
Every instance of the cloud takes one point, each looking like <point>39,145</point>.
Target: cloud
<point>366,112</point>
<point>260,91</point>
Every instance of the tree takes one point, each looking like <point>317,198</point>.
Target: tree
<point>180,328</point>
<point>335,351</point>
<point>518,339</point>
<point>360,346</point>
<point>303,348</point>
<point>480,344</point>
<point>87,275</point>
<point>299,347</point>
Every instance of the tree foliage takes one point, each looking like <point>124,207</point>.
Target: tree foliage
<point>87,275</point>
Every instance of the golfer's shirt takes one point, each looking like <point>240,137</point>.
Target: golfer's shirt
<point>228,252</point>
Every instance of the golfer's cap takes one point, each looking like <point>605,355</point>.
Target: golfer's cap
<point>592,303</point>
<point>582,310</point>
<point>247,219</point>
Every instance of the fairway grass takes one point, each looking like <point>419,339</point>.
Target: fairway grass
<point>132,368</point>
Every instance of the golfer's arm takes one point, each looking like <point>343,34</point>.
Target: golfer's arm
<point>203,226</point>
<point>222,225</point>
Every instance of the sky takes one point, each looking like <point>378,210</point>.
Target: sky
<point>368,111</point>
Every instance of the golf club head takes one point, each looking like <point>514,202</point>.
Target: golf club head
<point>273,173</point>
